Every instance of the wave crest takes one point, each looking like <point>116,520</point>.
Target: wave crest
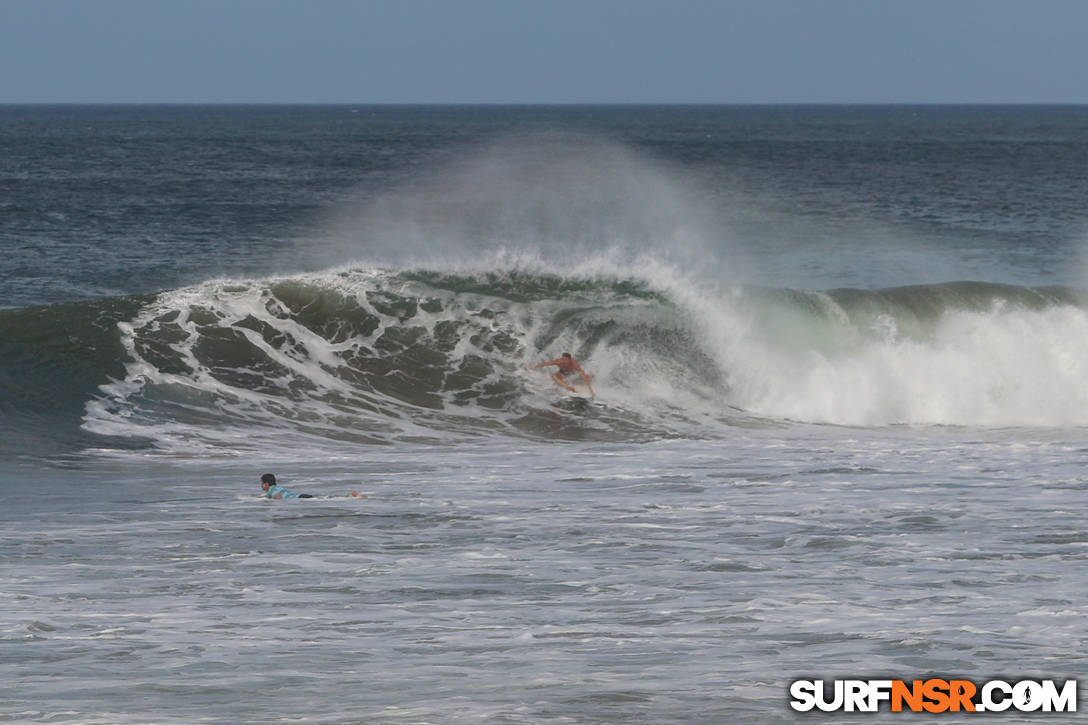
<point>380,356</point>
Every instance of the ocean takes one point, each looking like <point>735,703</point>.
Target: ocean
<point>840,356</point>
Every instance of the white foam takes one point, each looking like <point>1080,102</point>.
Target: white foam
<point>1008,366</point>
<point>1002,366</point>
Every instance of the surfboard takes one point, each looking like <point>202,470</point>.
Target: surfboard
<point>580,392</point>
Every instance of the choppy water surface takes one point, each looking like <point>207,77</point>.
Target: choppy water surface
<point>669,582</point>
<point>840,428</point>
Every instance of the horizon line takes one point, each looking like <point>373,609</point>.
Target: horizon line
<point>549,104</point>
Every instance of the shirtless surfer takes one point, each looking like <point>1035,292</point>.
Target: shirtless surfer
<point>567,367</point>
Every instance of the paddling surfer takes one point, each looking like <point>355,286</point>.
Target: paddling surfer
<point>273,490</point>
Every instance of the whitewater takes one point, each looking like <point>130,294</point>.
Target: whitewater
<point>839,430</point>
<point>380,356</point>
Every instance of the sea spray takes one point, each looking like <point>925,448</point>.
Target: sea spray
<point>564,202</point>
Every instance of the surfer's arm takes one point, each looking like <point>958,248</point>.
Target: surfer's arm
<point>540,365</point>
<point>585,378</point>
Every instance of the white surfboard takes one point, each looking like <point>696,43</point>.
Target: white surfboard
<point>580,392</point>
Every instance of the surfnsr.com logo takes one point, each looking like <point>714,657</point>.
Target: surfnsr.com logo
<point>934,695</point>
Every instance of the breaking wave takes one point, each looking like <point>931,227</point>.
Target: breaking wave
<point>380,356</point>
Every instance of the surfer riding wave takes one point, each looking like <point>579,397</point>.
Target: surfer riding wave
<point>567,367</point>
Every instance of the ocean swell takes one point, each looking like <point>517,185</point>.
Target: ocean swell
<point>382,356</point>
<point>374,356</point>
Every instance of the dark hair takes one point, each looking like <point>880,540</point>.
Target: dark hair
<point>566,354</point>
<point>268,478</point>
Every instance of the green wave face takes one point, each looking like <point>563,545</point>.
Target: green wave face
<point>380,356</point>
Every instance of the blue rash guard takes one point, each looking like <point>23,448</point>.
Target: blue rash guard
<point>283,492</point>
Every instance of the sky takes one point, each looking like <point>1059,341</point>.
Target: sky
<point>543,51</point>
